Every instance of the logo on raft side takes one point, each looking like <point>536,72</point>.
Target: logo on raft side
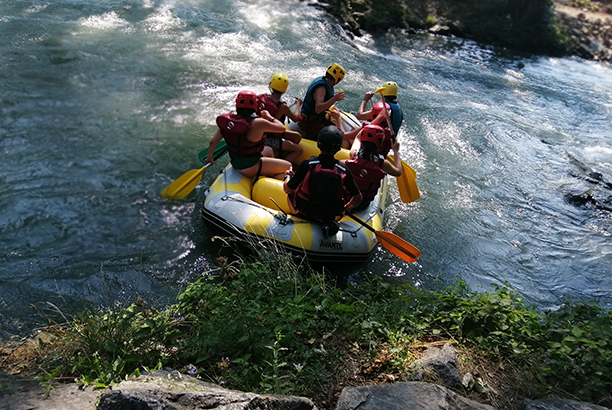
<point>330,244</point>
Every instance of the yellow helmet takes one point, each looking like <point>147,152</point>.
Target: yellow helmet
<point>336,71</point>
<point>390,89</point>
<point>279,82</point>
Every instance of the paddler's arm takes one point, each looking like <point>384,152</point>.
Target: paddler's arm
<point>212,145</point>
<point>394,169</point>
<point>356,145</point>
<point>284,109</point>
<point>351,187</point>
<point>354,202</point>
<point>319,96</point>
<point>263,124</point>
<point>292,181</point>
<point>362,113</point>
<point>285,186</point>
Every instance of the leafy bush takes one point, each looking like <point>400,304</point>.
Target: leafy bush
<point>578,357</point>
<point>275,327</point>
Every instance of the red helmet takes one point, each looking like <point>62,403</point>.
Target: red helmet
<point>377,108</point>
<point>246,99</point>
<point>373,133</point>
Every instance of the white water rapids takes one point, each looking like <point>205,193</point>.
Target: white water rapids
<point>103,103</point>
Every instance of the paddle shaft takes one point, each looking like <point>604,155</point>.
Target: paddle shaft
<point>382,100</point>
<point>181,187</point>
<point>387,238</point>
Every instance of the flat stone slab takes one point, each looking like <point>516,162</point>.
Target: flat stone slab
<point>559,404</point>
<point>404,396</point>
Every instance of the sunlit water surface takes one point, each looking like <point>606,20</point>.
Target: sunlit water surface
<point>104,103</point>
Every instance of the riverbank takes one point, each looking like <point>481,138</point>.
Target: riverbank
<point>590,27</point>
<point>271,327</point>
<point>561,27</point>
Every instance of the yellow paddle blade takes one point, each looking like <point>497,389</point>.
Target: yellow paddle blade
<point>187,182</point>
<point>406,183</point>
<point>398,246</point>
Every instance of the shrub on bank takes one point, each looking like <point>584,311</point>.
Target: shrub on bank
<point>273,327</point>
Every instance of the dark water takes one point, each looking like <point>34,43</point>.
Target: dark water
<point>104,103</point>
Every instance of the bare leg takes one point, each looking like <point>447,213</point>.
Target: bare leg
<point>293,151</point>
<point>274,167</point>
<point>268,152</point>
<point>293,136</point>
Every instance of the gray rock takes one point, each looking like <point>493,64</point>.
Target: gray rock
<point>443,362</point>
<point>162,391</point>
<point>405,396</point>
<point>17,394</point>
<point>559,404</point>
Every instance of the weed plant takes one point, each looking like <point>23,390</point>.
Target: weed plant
<point>271,326</point>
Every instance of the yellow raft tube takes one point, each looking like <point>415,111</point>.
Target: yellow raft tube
<point>239,207</point>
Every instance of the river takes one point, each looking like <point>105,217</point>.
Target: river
<point>103,103</point>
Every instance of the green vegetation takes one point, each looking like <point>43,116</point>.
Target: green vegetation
<point>524,25</point>
<point>275,327</point>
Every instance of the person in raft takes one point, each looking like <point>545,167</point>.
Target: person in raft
<point>319,98</point>
<point>323,189</point>
<point>284,144</point>
<point>244,134</point>
<point>378,117</point>
<point>390,96</point>
<point>369,167</point>
<point>348,137</point>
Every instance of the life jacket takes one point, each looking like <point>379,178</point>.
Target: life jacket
<point>234,130</point>
<point>385,147</point>
<point>321,194</point>
<point>264,102</point>
<point>397,116</point>
<point>368,175</point>
<point>308,106</point>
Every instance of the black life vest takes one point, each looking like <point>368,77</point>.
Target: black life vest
<point>321,194</point>
<point>367,174</point>
<point>308,106</point>
<point>234,129</point>
<point>397,116</point>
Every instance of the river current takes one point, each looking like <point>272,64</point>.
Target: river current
<point>103,103</point>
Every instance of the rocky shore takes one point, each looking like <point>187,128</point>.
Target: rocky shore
<point>590,28</point>
<point>583,27</point>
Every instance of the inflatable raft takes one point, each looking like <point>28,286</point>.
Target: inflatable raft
<point>258,210</point>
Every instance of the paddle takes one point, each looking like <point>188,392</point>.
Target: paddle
<point>180,188</point>
<point>406,183</point>
<point>392,242</point>
<point>219,152</point>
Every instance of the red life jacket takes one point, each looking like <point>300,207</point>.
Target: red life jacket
<point>385,147</point>
<point>234,129</point>
<point>321,194</point>
<point>264,102</point>
<point>367,174</point>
